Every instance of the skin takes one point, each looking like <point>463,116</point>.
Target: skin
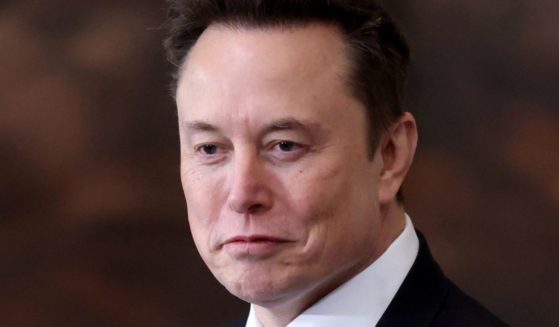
<point>284,203</point>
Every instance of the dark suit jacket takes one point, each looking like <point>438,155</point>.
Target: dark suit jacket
<point>428,298</point>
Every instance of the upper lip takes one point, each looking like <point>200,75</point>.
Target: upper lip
<point>255,238</point>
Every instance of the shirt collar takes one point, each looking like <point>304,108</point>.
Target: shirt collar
<point>362,300</point>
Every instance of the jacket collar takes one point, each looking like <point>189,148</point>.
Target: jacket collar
<point>421,294</point>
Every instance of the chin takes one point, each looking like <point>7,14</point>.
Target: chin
<point>257,293</point>
<point>258,287</point>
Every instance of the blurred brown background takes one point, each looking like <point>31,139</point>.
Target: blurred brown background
<point>91,211</point>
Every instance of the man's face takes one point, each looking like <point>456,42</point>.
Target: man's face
<point>282,197</point>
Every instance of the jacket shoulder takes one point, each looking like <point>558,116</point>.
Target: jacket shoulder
<point>461,310</point>
<point>240,322</point>
<point>427,298</point>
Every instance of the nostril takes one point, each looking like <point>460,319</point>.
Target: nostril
<point>255,208</point>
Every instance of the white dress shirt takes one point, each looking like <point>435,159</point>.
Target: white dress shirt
<point>362,300</point>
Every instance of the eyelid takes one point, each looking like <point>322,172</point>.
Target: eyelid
<point>199,146</point>
<point>271,144</point>
<point>278,155</point>
<point>210,159</point>
<point>295,144</point>
<point>219,143</point>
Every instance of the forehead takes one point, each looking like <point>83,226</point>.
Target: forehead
<point>275,51</point>
<point>296,67</point>
<point>288,45</point>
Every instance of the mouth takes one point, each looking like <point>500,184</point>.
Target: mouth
<point>254,246</point>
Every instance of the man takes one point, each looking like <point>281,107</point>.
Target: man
<point>294,145</point>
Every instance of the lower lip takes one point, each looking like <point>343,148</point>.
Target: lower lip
<point>253,248</point>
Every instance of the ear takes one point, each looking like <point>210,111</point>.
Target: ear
<point>397,148</point>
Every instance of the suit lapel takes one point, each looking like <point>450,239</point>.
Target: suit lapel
<point>420,296</point>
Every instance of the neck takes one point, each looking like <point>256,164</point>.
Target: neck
<point>280,313</point>
<point>393,222</point>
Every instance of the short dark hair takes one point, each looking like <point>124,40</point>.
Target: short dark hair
<point>378,52</point>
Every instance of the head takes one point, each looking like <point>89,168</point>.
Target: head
<point>294,143</point>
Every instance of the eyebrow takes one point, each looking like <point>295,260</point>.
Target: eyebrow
<point>283,124</point>
<point>286,124</point>
<point>201,126</point>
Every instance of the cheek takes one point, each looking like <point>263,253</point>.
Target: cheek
<point>201,192</point>
<point>200,186</point>
<point>331,200</point>
<point>319,190</point>
<point>318,198</point>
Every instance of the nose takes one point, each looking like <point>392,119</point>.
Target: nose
<point>250,191</point>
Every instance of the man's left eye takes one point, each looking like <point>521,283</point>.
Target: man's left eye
<point>287,146</point>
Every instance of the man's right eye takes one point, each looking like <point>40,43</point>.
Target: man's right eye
<point>210,153</point>
<point>208,149</point>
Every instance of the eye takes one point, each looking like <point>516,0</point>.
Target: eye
<point>210,153</point>
<point>283,150</point>
<point>287,146</point>
<point>208,149</point>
